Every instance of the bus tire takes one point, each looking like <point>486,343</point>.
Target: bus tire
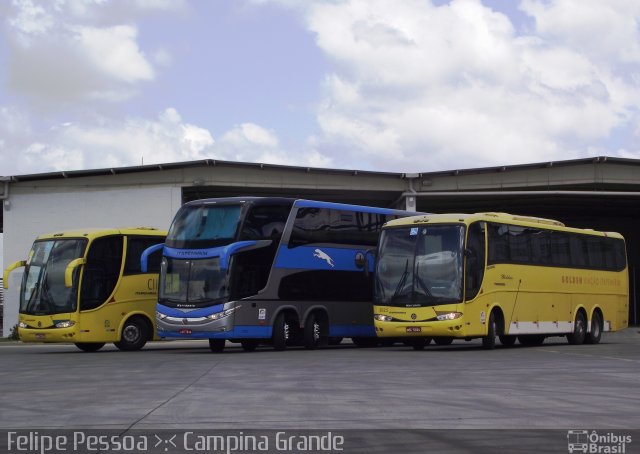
<point>579,330</point>
<point>420,343</point>
<point>489,341</point>
<point>316,331</point>
<point>507,341</point>
<point>89,346</point>
<point>249,345</point>
<point>281,332</point>
<point>594,335</point>
<point>217,345</point>
<point>443,340</point>
<point>135,333</point>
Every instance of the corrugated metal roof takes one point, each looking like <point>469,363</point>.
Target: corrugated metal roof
<point>215,162</point>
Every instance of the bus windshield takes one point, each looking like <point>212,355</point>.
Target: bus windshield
<point>43,289</point>
<point>419,266</point>
<point>192,283</point>
<point>204,226</point>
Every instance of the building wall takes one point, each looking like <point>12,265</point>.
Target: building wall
<point>33,212</point>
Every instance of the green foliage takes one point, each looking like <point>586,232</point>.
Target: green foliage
<point>14,335</point>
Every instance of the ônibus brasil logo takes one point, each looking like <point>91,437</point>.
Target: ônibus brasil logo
<point>593,442</point>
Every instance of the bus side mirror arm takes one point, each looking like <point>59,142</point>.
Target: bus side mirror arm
<point>362,261</point>
<point>68,272</point>
<point>9,269</point>
<point>144,257</point>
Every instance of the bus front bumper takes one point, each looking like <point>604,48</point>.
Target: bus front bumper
<point>448,328</point>
<point>207,325</point>
<point>48,335</point>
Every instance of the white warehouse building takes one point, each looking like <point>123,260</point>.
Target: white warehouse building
<point>600,193</point>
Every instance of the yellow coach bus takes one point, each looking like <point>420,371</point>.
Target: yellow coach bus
<point>488,275</point>
<point>87,287</point>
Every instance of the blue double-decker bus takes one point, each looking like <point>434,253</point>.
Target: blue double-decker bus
<point>269,270</point>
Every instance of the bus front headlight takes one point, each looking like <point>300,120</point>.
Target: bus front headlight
<point>449,316</point>
<point>219,315</point>
<point>65,324</point>
<point>383,318</point>
<point>22,325</point>
<point>160,316</point>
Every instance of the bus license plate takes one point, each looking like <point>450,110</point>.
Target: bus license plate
<point>185,331</point>
<point>414,329</point>
<point>40,336</point>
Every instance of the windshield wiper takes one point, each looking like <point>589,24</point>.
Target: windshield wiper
<point>401,282</point>
<point>421,283</point>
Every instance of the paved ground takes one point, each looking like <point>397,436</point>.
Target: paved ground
<point>183,386</point>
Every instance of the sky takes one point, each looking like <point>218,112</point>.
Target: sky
<point>383,85</point>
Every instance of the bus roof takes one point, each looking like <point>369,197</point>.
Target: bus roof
<point>98,232</point>
<point>506,218</point>
<point>253,199</point>
<point>301,203</point>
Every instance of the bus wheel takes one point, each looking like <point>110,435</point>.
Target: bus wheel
<point>507,341</point>
<point>249,345</point>
<point>443,340</point>
<point>134,335</point>
<point>579,330</point>
<point>89,346</point>
<point>316,331</point>
<point>281,332</point>
<point>593,337</point>
<point>420,343</point>
<point>216,345</point>
<point>489,341</point>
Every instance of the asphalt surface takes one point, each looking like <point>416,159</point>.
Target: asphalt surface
<point>182,386</point>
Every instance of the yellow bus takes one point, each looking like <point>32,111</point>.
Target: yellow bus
<point>488,275</point>
<point>87,287</point>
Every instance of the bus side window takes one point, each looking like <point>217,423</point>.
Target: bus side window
<point>265,222</point>
<point>135,247</point>
<point>475,259</point>
<point>101,271</point>
<point>329,226</point>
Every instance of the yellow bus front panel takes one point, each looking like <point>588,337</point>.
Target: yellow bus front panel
<point>49,328</point>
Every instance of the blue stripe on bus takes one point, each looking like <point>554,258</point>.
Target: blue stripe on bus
<point>238,332</point>
<point>203,312</point>
<point>320,258</point>
<point>346,207</point>
<point>265,332</point>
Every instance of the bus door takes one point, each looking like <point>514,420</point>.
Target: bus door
<point>98,289</point>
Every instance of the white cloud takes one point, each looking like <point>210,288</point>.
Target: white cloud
<point>114,52</point>
<point>433,87</point>
<point>250,134</point>
<point>104,143</point>
<point>603,30</point>
<point>101,143</point>
<point>249,142</point>
<point>70,51</point>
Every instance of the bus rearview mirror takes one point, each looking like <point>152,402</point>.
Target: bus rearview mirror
<point>68,272</point>
<point>9,269</point>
